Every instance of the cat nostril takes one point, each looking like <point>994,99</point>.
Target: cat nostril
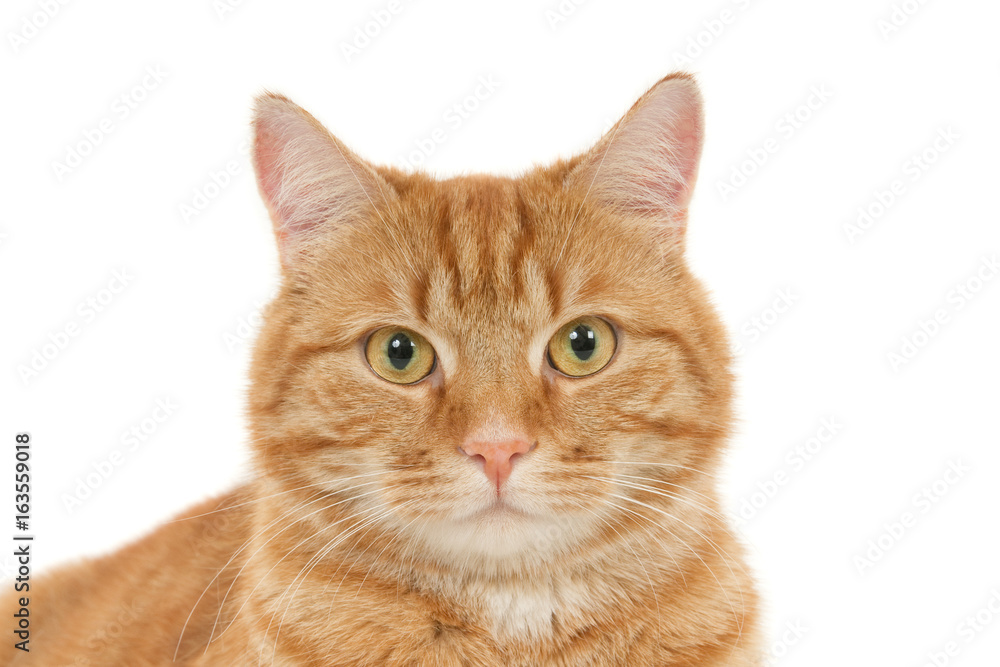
<point>478,459</point>
<point>496,458</point>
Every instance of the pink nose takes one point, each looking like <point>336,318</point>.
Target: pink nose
<point>496,457</point>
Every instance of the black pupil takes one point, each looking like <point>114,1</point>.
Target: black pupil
<point>400,351</point>
<point>583,341</point>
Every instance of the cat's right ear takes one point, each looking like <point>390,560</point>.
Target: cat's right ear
<point>309,180</point>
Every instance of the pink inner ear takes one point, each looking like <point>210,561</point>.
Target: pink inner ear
<point>297,164</point>
<point>649,163</point>
<point>266,153</point>
<point>687,134</point>
<point>267,158</point>
<point>306,177</point>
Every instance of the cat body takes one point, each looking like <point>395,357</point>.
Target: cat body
<point>486,413</point>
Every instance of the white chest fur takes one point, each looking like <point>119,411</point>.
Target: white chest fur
<point>526,608</point>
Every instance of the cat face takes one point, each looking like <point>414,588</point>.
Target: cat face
<point>500,369</point>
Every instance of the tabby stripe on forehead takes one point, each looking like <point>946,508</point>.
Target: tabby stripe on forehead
<point>445,236</point>
<point>483,210</point>
<point>523,244</point>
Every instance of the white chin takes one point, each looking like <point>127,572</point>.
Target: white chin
<point>500,536</point>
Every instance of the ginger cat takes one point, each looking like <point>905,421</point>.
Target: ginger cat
<point>487,414</point>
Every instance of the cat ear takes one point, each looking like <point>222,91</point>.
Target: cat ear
<point>308,179</point>
<point>646,165</point>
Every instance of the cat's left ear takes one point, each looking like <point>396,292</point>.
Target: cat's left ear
<point>310,181</point>
<point>646,165</point>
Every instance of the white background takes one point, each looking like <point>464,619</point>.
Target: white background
<point>563,73</point>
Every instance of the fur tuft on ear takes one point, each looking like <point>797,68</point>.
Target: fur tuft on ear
<point>308,179</point>
<point>647,164</point>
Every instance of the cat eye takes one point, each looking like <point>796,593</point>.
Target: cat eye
<point>582,347</point>
<point>399,355</point>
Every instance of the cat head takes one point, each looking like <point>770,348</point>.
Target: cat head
<point>500,369</point>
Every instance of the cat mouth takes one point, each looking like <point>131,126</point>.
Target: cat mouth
<point>498,510</point>
<point>501,508</point>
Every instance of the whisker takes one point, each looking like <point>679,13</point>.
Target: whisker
<point>704,473</point>
<point>661,481</point>
<point>315,557</point>
<point>649,581</point>
<point>269,540</point>
<point>344,560</point>
<point>723,520</point>
<point>288,553</point>
<point>249,540</point>
<point>279,493</point>
<point>725,559</point>
<point>662,492</point>
<point>257,534</point>
<point>388,544</point>
<point>314,561</point>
